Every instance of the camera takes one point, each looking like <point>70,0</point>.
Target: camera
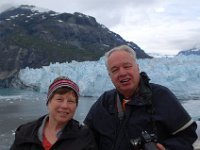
<point>145,142</point>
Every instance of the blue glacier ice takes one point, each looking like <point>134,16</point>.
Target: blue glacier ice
<point>181,74</point>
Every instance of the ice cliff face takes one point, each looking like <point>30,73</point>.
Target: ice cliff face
<point>181,74</point>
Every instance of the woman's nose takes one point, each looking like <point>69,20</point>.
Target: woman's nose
<point>65,104</point>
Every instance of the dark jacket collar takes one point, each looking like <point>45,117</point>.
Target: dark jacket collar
<point>144,94</point>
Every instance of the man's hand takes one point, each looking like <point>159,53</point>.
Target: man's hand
<point>160,146</point>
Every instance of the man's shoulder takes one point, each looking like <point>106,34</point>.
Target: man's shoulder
<point>161,92</point>
<point>158,87</point>
<point>108,95</point>
<point>106,100</point>
<point>109,92</point>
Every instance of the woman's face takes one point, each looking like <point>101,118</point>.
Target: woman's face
<point>62,107</point>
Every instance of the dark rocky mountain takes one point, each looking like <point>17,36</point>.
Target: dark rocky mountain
<point>31,38</point>
<point>193,51</point>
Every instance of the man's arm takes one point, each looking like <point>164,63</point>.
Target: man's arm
<point>182,140</point>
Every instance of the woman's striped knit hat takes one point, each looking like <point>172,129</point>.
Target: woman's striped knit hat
<point>62,81</point>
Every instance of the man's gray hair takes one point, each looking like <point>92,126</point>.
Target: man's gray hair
<point>120,48</point>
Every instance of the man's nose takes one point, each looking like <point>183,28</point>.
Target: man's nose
<point>122,71</point>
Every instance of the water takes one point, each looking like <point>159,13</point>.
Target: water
<point>20,106</point>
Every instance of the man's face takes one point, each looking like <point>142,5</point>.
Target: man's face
<point>124,72</point>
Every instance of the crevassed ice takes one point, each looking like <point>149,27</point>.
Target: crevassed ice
<point>180,73</point>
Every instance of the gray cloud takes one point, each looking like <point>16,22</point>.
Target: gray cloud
<point>155,25</point>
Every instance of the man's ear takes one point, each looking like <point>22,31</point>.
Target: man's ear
<point>138,67</point>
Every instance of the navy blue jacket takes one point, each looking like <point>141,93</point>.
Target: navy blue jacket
<point>154,109</point>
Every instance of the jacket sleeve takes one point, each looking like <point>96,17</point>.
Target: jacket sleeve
<point>89,121</point>
<point>182,140</point>
<point>176,120</point>
<point>13,147</point>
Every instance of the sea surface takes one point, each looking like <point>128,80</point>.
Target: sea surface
<point>20,106</point>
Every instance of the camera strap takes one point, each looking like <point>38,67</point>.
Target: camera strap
<point>120,109</point>
<point>121,116</point>
<point>153,124</point>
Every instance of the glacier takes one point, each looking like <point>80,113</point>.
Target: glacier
<point>181,74</point>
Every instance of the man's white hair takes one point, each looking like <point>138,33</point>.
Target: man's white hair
<point>120,48</point>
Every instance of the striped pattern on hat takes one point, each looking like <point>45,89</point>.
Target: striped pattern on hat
<point>62,83</point>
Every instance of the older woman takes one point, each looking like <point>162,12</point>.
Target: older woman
<point>57,130</point>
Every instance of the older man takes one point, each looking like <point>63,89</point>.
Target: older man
<point>138,114</point>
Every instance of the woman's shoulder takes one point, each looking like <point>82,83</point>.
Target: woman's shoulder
<point>76,128</point>
<point>29,126</point>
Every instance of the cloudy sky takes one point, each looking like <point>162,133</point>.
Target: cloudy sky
<point>157,26</point>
